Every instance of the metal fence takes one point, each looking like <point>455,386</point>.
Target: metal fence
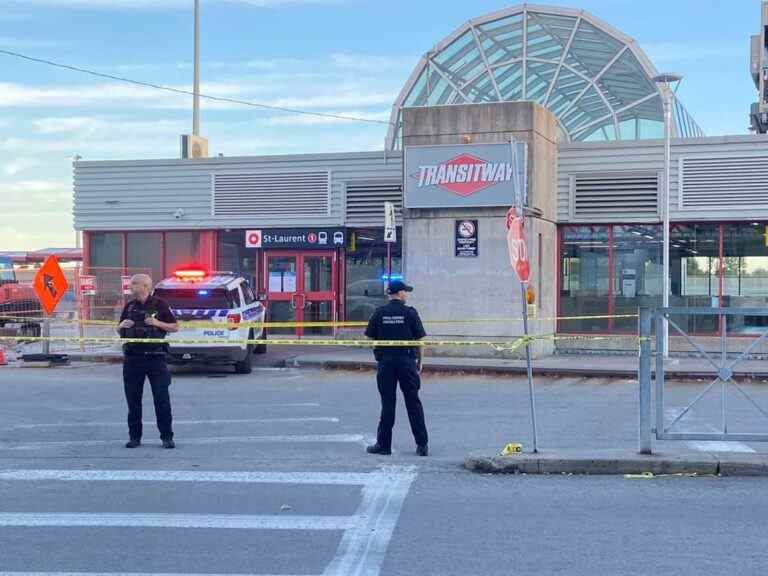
<point>78,316</point>
<point>655,326</point>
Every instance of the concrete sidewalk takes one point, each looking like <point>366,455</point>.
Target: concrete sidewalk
<point>588,365</point>
<point>575,365</point>
<point>598,462</point>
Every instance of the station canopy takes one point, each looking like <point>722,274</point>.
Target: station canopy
<point>594,79</point>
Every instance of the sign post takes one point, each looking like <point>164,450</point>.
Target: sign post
<point>390,234</point>
<point>518,258</point>
<point>50,285</point>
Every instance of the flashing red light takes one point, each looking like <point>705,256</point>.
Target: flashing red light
<point>190,275</point>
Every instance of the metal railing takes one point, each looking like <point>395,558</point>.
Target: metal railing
<point>722,367</point>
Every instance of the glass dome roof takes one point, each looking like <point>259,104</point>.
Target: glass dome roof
<point>597,81</point>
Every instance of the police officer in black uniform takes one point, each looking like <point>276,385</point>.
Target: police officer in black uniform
<point>396,321</point>
<point>146,317</point>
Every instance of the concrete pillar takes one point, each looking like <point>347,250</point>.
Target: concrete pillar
<point>484,288</point>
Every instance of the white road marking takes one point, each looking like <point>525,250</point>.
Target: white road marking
<point>121,406</point>
<point>183,422</point>
<point>720,446</point>
<point>706,445</point>
<point>130,574</point>
<point>319,478</point>
<point>361,552</point>
<point>362,549</point>
<point>296,439</point>
<point>212,521</point>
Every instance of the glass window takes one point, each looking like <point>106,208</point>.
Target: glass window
<point>745,273</point>
<point>6,270</point>
<point>106,249</point>
<point>235,257</point>
<point>234,297</point>
<point>143,253</point>
<point>181,249</point>
<point>367,271</point>
<point>248,294</point>
<point>584,277</point>
<point>106,264</point>
<point>637,272</point>
<point>694,273</point>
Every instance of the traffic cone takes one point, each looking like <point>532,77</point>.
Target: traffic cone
<point>3,359</point>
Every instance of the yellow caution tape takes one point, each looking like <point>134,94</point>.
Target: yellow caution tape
<point>311,324</point>
<point>498,345</point>
<point>512,448</point>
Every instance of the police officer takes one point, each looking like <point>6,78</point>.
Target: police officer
<point>146,317</point>
<point>396,321</point>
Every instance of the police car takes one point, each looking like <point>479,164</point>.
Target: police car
<point>220,302</point>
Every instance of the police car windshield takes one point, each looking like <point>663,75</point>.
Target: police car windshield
<point>195,298</point>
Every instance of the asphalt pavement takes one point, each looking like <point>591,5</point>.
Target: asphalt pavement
<point>270,477</point>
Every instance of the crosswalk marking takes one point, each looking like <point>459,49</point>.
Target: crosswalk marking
<point>222,521</point>
<point>329,419</point>
<point>318,478</point>
<point>707,445</point>
<point>299,438</point>
<point>365,534</point>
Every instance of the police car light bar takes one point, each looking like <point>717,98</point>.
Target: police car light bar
<point>190,274</point>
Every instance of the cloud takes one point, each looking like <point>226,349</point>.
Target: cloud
<point>369,63</point>
<point>14,167</point>
<point>306,120</point>
<point>45,196</point>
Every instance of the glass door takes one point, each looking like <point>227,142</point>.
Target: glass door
<point>301,287</point>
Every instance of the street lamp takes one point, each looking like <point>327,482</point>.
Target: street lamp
<point>665,82</point>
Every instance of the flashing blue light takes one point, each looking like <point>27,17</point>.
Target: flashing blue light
<point>385,277</point>
<point>203,292</point>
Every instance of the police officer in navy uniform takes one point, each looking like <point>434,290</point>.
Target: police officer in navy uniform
<point>146,317</point>
<point>396,321</point>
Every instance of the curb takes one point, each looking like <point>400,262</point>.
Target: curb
<point>335,364</point>
<point>613,462</point>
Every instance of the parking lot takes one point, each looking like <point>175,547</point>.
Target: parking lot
<point>270,477</point>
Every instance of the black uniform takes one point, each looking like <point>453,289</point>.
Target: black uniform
<point>396,321</point>
<point>147,361</point>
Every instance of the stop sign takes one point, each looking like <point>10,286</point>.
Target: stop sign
<point>518,252</point>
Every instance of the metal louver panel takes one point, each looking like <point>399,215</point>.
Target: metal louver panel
<point>271,194</point>
<point>616,196</point>
<point>718,182</point>
<point>365,202</point>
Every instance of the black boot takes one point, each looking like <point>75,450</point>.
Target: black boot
<point>378,449</point>
<point>422,450</point>
<point>169,444</point>
<point>133,443</point>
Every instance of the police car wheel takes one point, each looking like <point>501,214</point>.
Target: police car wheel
<point>261,348</point>
<point>244,366</point>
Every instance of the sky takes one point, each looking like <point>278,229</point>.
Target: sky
<point>347,57</point>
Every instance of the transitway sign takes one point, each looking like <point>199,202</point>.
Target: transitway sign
<point>463,175</point>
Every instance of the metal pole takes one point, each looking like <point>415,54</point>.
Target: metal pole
<point>644,379</point>
<point>46,333</point>
<point>389,262</point>
<point>529,366</point>
<point>196,104</point>
<point>667,170</point>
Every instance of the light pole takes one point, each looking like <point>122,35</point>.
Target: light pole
<point>665,81</point>
<point>196,97</point>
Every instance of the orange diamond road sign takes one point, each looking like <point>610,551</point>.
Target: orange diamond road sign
<point>50,284</point>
